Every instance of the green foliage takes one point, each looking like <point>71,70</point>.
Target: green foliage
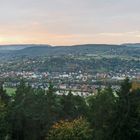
<point>125,121</point>
<point>4,125</point>
<point>78,129</point>
<point>3,95</point>
<point>3,121</point>
<point>101,108</point>
<point>31,114</point>
<point>73,106</point>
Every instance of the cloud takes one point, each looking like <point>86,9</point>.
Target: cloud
<point>73,21</point>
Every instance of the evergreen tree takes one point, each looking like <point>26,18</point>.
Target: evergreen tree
<point>4,125</point>
<point>73,106</point>
<point>125,121</point>
<point>101,108</point>
<point>3,96</point>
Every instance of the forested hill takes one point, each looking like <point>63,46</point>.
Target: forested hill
<point>132,50</point>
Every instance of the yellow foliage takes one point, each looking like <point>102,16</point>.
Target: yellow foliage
<point>135,85</point>
<point>77,129</point>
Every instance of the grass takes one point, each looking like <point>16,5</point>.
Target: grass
<point>10,91</point>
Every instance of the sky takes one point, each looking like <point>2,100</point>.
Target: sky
<point>68,22</point>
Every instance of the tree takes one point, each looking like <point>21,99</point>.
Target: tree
<point>73,106</point>
<point>53,108</point>
<point>4,125</point>
<point>101,108</point>
<point>19,110</point>
<point>3,96</point>
<point>32,112</point>
<point>126,120</point>
<point>78,129</point>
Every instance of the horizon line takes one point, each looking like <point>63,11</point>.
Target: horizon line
<point>43,44</point>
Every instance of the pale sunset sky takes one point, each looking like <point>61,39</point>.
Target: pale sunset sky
<point>67,22</point>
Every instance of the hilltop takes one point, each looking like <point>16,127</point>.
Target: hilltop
<point>32,50</point>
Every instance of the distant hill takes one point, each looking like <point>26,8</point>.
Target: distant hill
<point>133,45</point>
<point>12,47</point>
<point>64,50</point>
<point>18,47</point>
<point>86,49</point>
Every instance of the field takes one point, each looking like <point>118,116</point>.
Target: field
<point>10,91</point>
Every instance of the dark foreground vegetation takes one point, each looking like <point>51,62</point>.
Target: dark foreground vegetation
<point>35,114</point>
